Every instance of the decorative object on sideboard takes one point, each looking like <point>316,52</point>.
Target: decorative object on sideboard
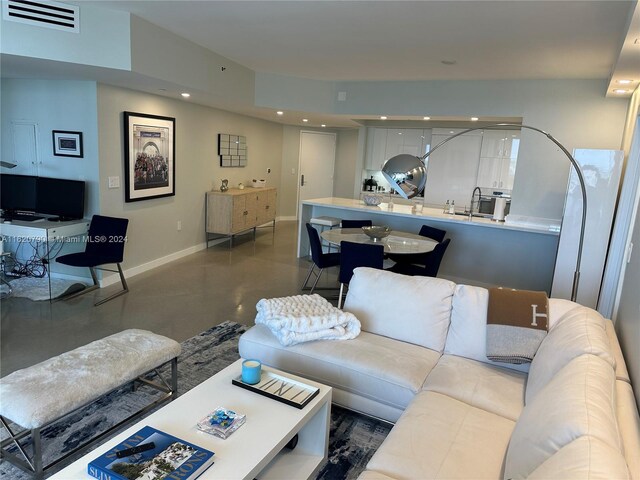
<point>232,150</point>
<point>370,184</point>
<point>407,175</point>
<point>371,199</point>
<point>67,144</point>
<point>225,185</point>
<point>149,156</point>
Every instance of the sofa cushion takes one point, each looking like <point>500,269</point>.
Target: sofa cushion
<point>441,437</point>
<point>621,367</point>
<point>372,366</point>
<point>467,335</point>
<point>579,331</point>
<point>578,401</point>
<point>629,425</point>
<point>494,389</point>
<point>585,457</point>
<point>412,309</point>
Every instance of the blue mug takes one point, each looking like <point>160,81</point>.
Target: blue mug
<point>251,370</point>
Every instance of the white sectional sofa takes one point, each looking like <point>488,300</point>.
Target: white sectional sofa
<point>420,362</point>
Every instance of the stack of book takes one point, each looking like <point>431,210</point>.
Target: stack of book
<point>222,422</point>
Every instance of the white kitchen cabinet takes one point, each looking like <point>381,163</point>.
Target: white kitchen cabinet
<point>384,143</point>
<point>452,169</point>
<point>376,148</point>
<point>499,157</point>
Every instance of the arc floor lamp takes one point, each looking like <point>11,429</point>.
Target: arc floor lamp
<point>407,175</point>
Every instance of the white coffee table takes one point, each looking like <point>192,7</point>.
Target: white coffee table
<point>255,449</point>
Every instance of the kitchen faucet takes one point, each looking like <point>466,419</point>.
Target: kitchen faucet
<point>473,194</point>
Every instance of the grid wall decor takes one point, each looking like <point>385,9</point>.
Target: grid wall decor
<point>232,150</point>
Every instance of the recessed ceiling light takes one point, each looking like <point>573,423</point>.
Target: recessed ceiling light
<point>399,133</point>
<point>474,119</point>
<point>305,120</point>
<point>620,91</point>
<point>625,82</point>
<point>185,95</point>
<point>383,117</point>
<point>162,89</point>
<point>323,125</point>
<point>448,62</point>
<point>451,131</point>
<point>426,118</point>
<point>280,112</point>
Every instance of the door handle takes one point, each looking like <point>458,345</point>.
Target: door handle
<point>302,180</point>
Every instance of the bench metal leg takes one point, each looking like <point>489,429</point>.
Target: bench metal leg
<point>174,377</point>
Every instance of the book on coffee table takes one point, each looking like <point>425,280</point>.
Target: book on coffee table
<point>281,388</point>
<point>150,453</point>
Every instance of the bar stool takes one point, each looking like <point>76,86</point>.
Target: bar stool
<point>325,222</point>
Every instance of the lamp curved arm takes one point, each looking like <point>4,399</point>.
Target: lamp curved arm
<point>576,274</point>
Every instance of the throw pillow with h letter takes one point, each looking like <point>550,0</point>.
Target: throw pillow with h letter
<point>517,321</point>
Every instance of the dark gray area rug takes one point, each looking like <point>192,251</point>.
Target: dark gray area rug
<point>353,437</point>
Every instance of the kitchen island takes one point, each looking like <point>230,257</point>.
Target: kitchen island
<point>482,252</point>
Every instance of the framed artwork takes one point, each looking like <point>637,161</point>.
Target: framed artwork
<point>149,156</point>
<point>232,150</point>
<point>67,144</point>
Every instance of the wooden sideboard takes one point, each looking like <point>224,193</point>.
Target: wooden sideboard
<point>236,211</point>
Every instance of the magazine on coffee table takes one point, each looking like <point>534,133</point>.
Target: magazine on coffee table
<point>281,388</point>
<point>150,453</point>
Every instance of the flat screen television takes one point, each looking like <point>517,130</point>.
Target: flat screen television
<point>18,193</point>
<point>61,197</point>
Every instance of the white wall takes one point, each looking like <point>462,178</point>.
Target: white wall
<point>345,168</point>
<point>153,230</point>
<point>103,40</point>
<point>54,105</point>
<point>628,317</point>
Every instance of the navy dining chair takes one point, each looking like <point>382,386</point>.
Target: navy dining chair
<point>430,268</point>
<point>354,255</point>
<point>402,261</point>
<point>105,245</point>
<point>356,223</point>
<point>319,259</point>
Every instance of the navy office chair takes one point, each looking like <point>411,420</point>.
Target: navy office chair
<point>356,223</point>
<point>320,259</point>
<point>353,255</point>
<point>105,244</point>
<point>402,261</point>
<point>430,268</point>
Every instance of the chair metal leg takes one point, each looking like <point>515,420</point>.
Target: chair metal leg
<point>93,287</point>
<point>340,295</point>
<point>304,285</point>
<point>124,290</point>
<point>316,282</point>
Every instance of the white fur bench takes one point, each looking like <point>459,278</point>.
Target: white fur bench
<point>36,396</point>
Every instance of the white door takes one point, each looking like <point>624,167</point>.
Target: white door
<point>317,159</point>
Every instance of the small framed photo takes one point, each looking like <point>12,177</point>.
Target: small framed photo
<point>67,144</point>
<point>149,156</point>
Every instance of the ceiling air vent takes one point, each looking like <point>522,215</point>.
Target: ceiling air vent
<point>43,14</point>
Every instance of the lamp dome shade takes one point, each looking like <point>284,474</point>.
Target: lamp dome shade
<point>406,174</point>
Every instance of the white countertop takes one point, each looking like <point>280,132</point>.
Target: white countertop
<point>433,214</point>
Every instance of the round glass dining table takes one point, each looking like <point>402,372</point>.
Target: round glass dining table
<point>396,242</point>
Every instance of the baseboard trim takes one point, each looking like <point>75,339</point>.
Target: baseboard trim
<point>145,267</point>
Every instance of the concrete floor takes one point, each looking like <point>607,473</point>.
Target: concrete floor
<point>178,300</point>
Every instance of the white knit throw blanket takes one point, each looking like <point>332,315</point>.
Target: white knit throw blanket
<point>303,318</point>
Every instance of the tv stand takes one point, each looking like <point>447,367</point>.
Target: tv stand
<point>62,219</point>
